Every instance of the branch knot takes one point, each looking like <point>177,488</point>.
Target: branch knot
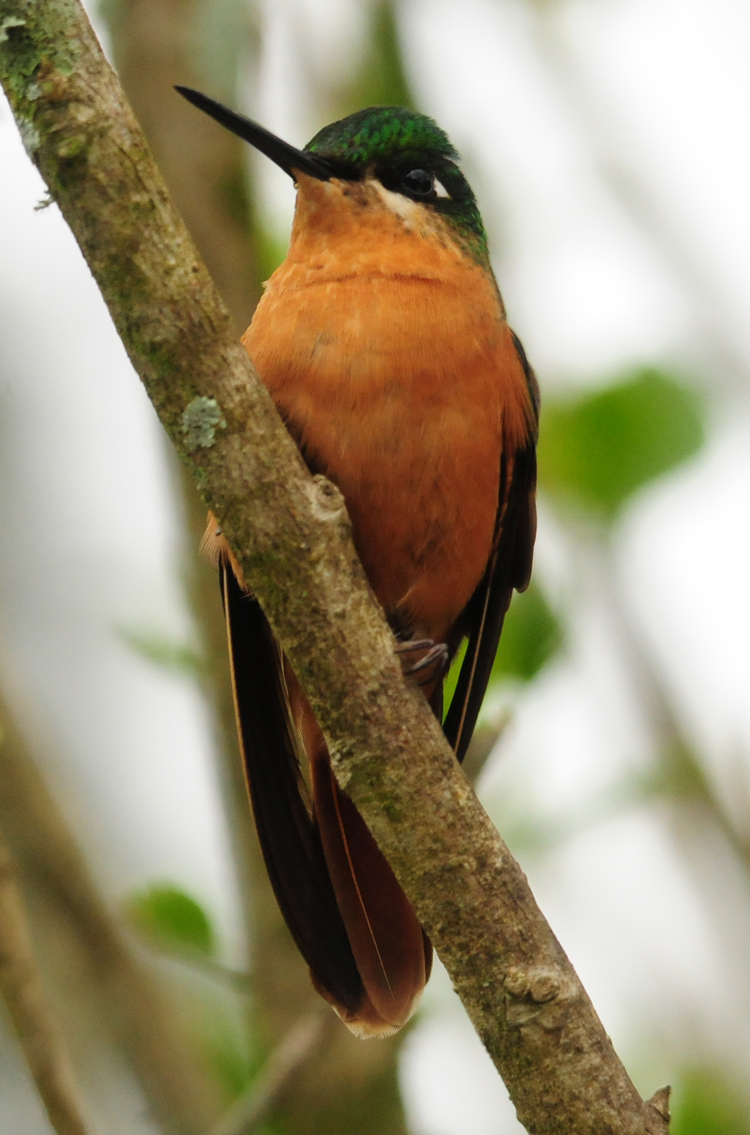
<point>541,994</point>
<point>326,499</point>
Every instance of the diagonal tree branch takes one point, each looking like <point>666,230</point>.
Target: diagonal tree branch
<point>292,535</point>
<point>154,44</point>
<point>21,987</point>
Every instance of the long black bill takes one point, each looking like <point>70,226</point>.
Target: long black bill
<point>284,155</point>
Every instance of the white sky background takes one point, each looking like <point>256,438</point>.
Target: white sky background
<point>658,88</point>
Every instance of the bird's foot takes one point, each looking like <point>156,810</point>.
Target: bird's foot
<point>431,663</point>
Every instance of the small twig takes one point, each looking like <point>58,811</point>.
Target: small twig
<point>660,1101</point>
<point>21,987</point>
<point>253,1105</point>
<point>235,979</point>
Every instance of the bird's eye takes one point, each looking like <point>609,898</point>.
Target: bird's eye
<point>418,183</point>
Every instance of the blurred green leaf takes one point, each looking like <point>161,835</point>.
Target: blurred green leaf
<point>531,635</point>
<point>604,446</point>
<point>451,680</point>
<point>172,920</point>
<point>178,657</point>
<point>705,1102</point>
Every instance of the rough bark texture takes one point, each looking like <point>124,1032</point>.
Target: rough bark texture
<point>340,1085</point>
<point>293,539</point>
<point>156,44</point>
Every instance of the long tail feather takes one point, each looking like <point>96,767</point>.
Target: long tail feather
<point>392,954</point>
<point>352,922</point>
<point>289,839</point>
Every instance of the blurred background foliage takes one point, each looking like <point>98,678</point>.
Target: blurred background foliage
<point>601,448</point>
<point>220,1059</point>
<point>170,919</point>
<point>706,1102</point>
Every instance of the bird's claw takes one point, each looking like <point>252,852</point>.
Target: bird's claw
<point>413,644</point>
<point>430,666</point>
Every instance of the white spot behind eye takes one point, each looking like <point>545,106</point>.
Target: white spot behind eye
<point>440,190</point>
<point>402,206</point>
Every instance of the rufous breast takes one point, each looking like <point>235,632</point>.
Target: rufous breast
<point>384,344</point>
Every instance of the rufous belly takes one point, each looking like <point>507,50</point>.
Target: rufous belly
<point>396,392</point>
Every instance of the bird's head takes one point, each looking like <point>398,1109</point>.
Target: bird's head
<point>402,158</point>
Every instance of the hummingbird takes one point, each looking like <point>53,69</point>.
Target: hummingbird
<point>384,343</point>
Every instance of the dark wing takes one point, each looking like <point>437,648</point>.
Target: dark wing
<point>289,839</point>
<point>509,568</point>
